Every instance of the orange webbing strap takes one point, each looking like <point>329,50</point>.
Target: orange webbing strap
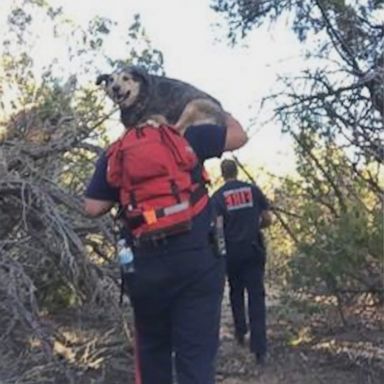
<point>150,216</point>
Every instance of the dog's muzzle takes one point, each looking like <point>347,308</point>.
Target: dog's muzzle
<point>117,96</point>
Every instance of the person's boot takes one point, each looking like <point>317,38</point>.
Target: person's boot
<point>261,358</point>
<point>240,339</point>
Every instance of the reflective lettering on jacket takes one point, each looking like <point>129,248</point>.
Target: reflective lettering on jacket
<point>238,198</point>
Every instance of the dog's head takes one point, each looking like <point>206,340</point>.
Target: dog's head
<point>124,85</point>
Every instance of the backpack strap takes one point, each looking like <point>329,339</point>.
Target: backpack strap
<point>168,136</point>
<point>151,216</point>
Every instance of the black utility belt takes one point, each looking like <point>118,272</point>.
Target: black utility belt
<point>161,237</point>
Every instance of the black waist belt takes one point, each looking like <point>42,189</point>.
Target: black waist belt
<point>135,221</point>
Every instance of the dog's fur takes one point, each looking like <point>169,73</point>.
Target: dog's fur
<point>141,95</point>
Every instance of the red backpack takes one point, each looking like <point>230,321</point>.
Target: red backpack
<point>152,167</point>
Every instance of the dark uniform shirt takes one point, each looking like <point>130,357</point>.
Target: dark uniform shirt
<point>241,205</point>
<point>207,141</point>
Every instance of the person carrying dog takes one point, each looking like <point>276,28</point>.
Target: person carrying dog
<point>244,210</point>
<point>156,175</point>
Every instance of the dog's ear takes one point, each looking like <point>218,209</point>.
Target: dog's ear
<point>102,79</point>
<point>139,73</point>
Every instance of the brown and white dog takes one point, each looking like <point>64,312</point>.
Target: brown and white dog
<point>141,96</point>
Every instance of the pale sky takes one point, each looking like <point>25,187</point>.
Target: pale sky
<point>187,33</point>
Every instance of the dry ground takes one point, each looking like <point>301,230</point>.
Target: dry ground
<point>96,348</point>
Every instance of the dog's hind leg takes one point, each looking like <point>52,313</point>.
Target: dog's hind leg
<point>200,111</point>
<point>155,120</point>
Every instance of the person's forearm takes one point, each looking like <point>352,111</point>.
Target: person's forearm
<point>96,208</point>
<point>236,136</point>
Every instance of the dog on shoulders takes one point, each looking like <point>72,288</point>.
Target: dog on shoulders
<point>141,95</point>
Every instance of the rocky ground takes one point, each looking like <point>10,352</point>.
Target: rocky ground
<point>96,348</point>
<point>296,357</point>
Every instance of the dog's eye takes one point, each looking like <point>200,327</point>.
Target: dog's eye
<point>125,78</point>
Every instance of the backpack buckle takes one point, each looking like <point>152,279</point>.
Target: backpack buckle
<point>150,216</point>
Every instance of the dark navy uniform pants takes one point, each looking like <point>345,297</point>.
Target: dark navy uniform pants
<point>245,270</point>
<point>176,298</point>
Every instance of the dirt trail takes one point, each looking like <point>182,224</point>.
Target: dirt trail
<point>303,364</point>
<point>95,349</point>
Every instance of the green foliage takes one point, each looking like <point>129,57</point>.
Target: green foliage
<point>340,256</point>
<point>55,294</point>
<point>340,94</point>
<point>329,236</point>
<point>243,15</point>
<point>57,121</point>
<point>335,246</point>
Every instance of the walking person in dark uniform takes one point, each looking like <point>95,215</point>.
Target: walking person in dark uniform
<point>245,212</point>
<point>177,284</point>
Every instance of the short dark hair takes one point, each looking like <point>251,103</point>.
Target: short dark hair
<point>228,169</point>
